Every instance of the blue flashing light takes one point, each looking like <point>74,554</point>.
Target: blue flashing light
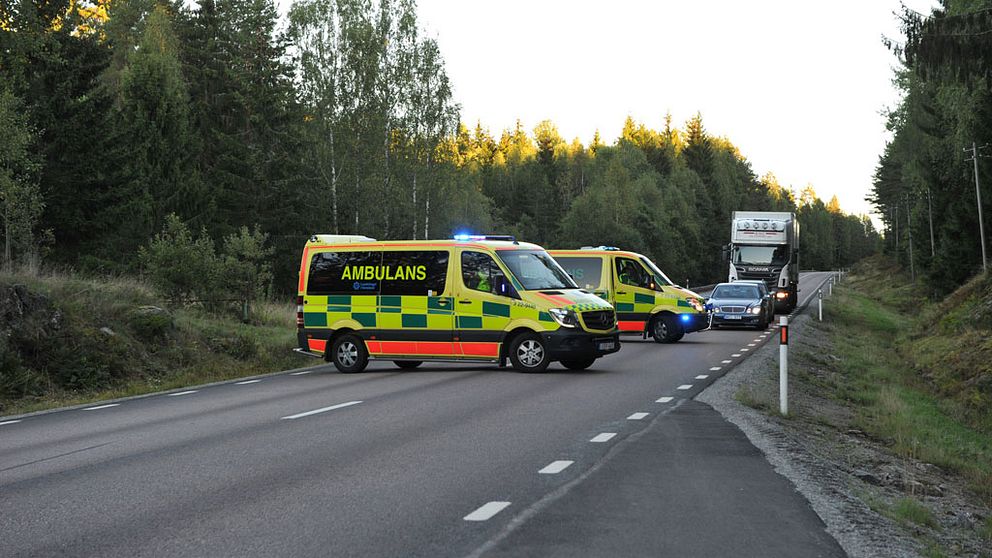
<point>463,236</point>
<point>686,317</point>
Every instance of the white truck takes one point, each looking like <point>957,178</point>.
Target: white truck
<point>764,246</point>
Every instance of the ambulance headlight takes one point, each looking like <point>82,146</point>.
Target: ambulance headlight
<point>565,318</point>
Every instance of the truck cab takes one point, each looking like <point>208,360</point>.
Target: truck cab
<point>764,247</point>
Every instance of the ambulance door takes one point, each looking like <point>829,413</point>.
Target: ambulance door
<point>481,313</point>
<point>634,292</point>
<point>415,316</point>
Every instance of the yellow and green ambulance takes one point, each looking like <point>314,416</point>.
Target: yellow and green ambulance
<point>472,298</point>
<point>646,300</point>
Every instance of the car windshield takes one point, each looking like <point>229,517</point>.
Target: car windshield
<point>736,291</point>
<point>536,270</point>
<point>761,255</point>
<point>659,277</point>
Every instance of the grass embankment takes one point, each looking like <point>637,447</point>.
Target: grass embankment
<point>918,375</point>
<point>70,340</point>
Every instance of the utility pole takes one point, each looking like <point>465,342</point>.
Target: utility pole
<point>978,194</point>
<point>933,250</point>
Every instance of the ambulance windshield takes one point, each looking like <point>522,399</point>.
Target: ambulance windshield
<point>536,270</point>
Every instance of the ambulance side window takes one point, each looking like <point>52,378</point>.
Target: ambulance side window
<point>633,273</point>
<point>480,272</point>
<point>585,271</point>
<point>420,273</point>
<point>343,273</point>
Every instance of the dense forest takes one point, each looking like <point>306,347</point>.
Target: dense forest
<point>924,185</point>
<point>116,114</point>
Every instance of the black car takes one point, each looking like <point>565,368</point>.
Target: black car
<point>740,304</point>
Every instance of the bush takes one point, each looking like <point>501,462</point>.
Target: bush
<point>184,268</point>
<point>151,323</point>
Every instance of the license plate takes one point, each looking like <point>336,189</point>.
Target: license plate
<point>732,317</point>
<point>606,345</point>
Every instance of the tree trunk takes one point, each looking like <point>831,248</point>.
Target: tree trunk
<point>427,215</point>
<point>415,205</point>
<point>334,188</point>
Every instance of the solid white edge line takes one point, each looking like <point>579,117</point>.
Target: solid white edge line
<point>486,511</point>
<point>664,400</point>
<point>10,422</point>
<point>101,407</point>
<point>685,386</point>
<point>637,416</point>
<point>715,368</point>
<point>321,410</point>
<point>702,376</point>
<point>246,382</point>
<point>603,437</point>
<point>555,467</point>
<point>178,393</point>
<point>301,373</point>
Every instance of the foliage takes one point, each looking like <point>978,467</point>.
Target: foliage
<point>340,121</point>
<point>184,267</point>
<point>20,199</point>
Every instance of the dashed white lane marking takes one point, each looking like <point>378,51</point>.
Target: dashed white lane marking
<point>486,511</point>
<point>637,416</point>
<point>735,355</point>
<point>178,393</point>
<point>246,382</point>
<point>664,400</point>
<point>301,373</point>
<point>321,410</point>
<point>751,344</point>
<point>702,376</point>
<point>745,350</point>
<point>685,386</point>
<point>726,361</point>
<point>758,340</point>
<point>101,407</point>
<point>603,437</point>
<point>714,368</point>
<point>9,422</point>
<point>555,467</point>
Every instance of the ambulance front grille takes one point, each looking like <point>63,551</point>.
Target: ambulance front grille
<point>599,319</point>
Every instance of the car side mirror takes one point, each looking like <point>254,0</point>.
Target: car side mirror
<point>504,288</point>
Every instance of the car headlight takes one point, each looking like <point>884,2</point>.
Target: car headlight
<point>565,318</point>
<point>755,310</point>
<point>717,309</point>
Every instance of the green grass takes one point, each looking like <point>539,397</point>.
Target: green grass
<point>870,324</point>
<point>907,510</point>
<point>146,352</point>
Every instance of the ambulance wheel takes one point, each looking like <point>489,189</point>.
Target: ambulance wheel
<point>408,364</point>
<point>666,329</point>
<point>528,353</point>
<point>349,355</point>
<point>578,364</point>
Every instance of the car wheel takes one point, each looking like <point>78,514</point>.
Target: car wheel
<point>407,364</point>
<point>349,355</point>
<point>666,329</point>
<point>528,353</point>
<point>578,364</point>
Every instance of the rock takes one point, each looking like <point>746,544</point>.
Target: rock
<point>107,331</point>
<point>868,477</point>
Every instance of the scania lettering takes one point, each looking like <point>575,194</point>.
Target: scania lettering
<point>646,300</point>
<point>764,246</point>
<point>474,298</point>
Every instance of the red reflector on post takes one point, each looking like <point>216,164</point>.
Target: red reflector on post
<point>784,335</point>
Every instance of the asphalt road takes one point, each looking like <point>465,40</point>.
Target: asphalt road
<point>446,460</point>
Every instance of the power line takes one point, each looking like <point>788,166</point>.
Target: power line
<point>975,154</point>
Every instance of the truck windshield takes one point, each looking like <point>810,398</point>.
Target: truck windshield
<point>536,270</point>
<point>761,255</point>
<point>660,278</point>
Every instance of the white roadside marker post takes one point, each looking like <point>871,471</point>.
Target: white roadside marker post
<point>783,365</point>
<point>819,302</point>
<point>830,287</point>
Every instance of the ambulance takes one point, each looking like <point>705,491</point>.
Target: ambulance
<point>646,300</point>
<point>469,299</point>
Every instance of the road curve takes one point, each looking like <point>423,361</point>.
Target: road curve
<point>447,460</point>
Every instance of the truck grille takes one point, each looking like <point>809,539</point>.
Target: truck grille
<point>599,319</point>
<point>732,309</point>
<point>769,280</point>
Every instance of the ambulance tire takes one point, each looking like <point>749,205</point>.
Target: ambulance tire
<point>408,364</point>
<point>666,329</point>
<point>349,355</point>
<point>528,353</point>
<point>578,364</point>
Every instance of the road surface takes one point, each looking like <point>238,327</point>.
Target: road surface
<point>447,460</point>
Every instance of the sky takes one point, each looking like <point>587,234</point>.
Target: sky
<point>799,86</point>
